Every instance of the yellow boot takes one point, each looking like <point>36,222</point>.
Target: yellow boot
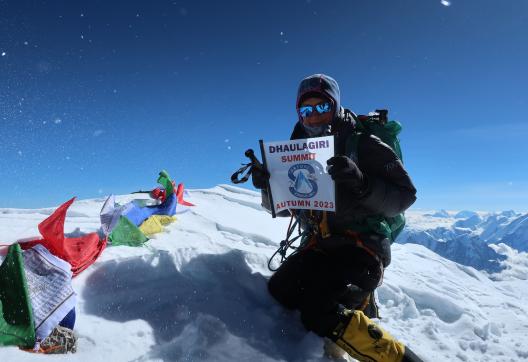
<point>366,341</point>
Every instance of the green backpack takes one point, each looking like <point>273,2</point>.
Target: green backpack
<point>377,124</point>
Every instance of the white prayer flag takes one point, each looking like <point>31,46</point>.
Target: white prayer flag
<point>298,176</point>
<point>50,289</point>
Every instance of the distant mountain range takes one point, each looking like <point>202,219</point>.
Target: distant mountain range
<point>464,236</point>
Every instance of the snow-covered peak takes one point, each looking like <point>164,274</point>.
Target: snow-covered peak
<point>441,213</point>
<point>198,292</point>
<point>465,237</point>
<point>465,214</point>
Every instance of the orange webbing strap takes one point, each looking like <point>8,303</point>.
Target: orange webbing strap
<point>323,226</point>
<point>360,244</point>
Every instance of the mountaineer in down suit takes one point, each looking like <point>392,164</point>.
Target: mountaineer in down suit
<point>331,279</point>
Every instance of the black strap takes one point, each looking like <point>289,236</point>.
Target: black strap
<point>240,171</point>
<point>285,245</point>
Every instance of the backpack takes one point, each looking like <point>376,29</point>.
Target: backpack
<point>377,124</point>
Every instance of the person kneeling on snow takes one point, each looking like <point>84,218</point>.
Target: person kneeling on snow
<point>331,278</point>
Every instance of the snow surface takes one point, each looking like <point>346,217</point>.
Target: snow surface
<point>197,292</point>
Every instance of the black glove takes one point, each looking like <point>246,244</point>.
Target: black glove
<point>260,177</point>
<point>344,171</point>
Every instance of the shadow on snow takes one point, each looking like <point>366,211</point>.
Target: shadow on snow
<point>216,293</point>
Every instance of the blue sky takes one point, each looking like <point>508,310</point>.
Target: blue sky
<point>98,96</point>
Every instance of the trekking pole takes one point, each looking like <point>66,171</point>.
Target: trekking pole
<point>251,155</point>
<point>255,163</point>
<point>248,166</point>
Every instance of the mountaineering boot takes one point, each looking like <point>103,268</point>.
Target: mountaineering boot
<point>333,352</point>
<point>367,342</point>
<point>409,356</point>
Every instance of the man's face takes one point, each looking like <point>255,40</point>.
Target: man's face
<point>315,118</point>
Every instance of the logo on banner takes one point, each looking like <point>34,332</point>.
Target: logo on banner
<point>302,178</point>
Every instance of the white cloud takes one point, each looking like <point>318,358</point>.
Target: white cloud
<point>446,3</point>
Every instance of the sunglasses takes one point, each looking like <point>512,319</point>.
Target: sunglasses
<point>321,108</point>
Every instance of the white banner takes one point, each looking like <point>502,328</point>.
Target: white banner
<point>298,173</point>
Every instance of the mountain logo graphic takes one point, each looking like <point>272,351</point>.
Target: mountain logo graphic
<point>302,183</point>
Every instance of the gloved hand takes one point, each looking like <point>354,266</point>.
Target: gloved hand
<point>260,177</point>
<point>345,171</point>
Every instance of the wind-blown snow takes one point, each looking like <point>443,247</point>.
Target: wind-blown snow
<point>197,291</point>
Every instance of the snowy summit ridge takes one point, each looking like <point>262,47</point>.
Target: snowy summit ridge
<point>198,291</point>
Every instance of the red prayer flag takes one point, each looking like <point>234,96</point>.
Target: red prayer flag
<point>80,252</point>
<point>179,196</point>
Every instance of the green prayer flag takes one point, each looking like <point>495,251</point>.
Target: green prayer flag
<point>165,180</point>
<point>126,233</point>
<point>17,327</point>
